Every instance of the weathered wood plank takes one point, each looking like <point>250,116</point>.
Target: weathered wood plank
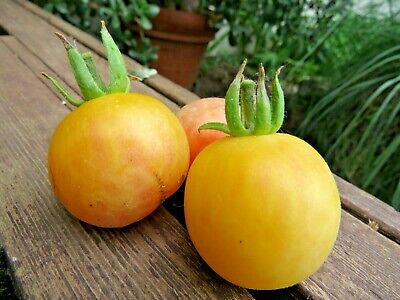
<point>363,265</point>
<point>36,66</point>
<point>163,85</point>
<point>42,42</point>
<point>55,256</point>
<point>368,208</point>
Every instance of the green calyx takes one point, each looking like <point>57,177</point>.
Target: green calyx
<point>248,109</point>
<point>86,74</point>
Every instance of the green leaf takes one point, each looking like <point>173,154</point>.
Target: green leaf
<point>115,23</point>
<point>145,23</point>
<point>105,12</point>
<point>396,198</point>
<point>49,7</point>
<point>152,10</point>
<point>62,8</point>
<point>144,73</point>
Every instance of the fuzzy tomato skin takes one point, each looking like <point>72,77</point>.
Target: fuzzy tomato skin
<point>197,113</point>
<point>113,160</point>
<point>262,211</point>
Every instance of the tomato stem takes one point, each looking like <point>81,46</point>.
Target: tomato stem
<point>248,110</point>
<point>247,102</point>
<point>119,81</point>
<point>263,107</point>
<point>87,84</point>
<point>216,126</point>
<point>63,91</point>
<point>86,74</point>
<point>232,106</point>
<point>87,57</point>
<point>277,103</point>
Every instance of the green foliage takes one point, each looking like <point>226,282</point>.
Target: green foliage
<point>278,32</point>
<point>197,6</point>
<point>356,125</point>
<point>86,14</point>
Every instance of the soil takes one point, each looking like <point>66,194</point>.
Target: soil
<point>215,82</point>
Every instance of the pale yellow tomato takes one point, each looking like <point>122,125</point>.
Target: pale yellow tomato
<point>113,160</point>
<point>195,114</point>
<point>262,211</point>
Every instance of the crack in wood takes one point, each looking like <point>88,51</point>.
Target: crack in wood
<point>3,31</point>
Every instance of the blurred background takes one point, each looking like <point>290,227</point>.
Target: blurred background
<point>342,57</point>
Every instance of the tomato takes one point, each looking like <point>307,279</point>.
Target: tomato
<point>265,216</point>
<point>112,161</point>
<point>261,208</point>
<point>195,114</point>
<point>115,158</point>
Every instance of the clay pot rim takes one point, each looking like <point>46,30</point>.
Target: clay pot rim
<point>184,38</point>
<point>180,26</point>
<point>181,21</point>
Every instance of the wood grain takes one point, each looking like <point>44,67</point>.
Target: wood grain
<point>363,265</point>
<point>55,256</point>
<point>368,208</point>
<point>163,85</point>
<point>37,66</point>
<point>42,43</point>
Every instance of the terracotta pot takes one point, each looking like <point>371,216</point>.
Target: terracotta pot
<point>182,38</point>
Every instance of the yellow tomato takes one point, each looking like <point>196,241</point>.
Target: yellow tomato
<point>262,211</point>
<point>113,160</point>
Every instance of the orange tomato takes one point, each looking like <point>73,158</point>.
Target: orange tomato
<point>195,114</point>
<point>262,211</point>
<point>113,160</point>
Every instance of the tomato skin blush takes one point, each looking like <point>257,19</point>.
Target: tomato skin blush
<point>195,114</point>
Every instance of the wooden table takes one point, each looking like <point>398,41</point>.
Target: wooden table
<point>52,255</point>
